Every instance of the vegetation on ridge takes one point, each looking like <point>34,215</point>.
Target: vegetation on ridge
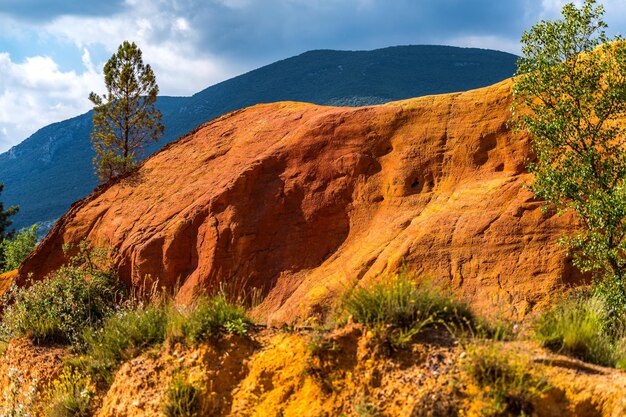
<point>58,308</point>
<point>15,250</point>
<point>403,307</point>
<point>570,94</point>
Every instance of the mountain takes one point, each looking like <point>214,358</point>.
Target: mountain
<point>435,182</point>
<point>53,168</point>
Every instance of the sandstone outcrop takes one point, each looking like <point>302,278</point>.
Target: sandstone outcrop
<point>303,201</point>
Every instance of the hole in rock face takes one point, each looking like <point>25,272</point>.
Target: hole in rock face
<point>415,185</point>
<point>378,199</point>
<point>500,167</point>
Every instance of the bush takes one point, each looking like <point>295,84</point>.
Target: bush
<point>183,399</point>
<point>14,251</point>
<point>122,337</point>
<point>208,317</point>
<point>406,307</point>
<point>576,326</point>
<point>70,395</point>
<point>504,378</point>
<point>59,308</point>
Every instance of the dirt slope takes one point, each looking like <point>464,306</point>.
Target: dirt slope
<point>303,200</point>
<point>273,373</point>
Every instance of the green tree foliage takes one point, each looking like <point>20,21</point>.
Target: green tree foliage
<point>570,94</point>
<point>126,119</point>
<point>14,251</point>
<point>4,217</point>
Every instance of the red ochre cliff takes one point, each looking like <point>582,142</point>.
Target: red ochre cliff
<point>304,201</point>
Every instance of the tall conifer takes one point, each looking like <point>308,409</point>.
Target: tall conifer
<point>125,119</point>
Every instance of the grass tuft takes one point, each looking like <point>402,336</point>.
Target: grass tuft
<point>122,337</point>
<point>182,399</point>
<point>137,327</point>
<point>504,378</point>
<point>575,327</point>
<point>405,307</point>
<point>208,317</point>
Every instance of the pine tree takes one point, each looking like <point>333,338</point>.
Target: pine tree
<point>126,119</point>
<point>4,218</point>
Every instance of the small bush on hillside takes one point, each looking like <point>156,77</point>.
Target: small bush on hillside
<point>406,307</point>
<point>182,399</point>
<point>123,336</point>
<point>15,250</point>
<point>504,378</point>
<point>60,307</point>
<point>209,316</point>
<point>70,395</point>
<point>576,327</point>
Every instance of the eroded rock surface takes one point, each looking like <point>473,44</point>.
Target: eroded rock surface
<point>303,201</point>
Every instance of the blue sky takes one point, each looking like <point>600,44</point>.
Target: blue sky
<point>52,51</point>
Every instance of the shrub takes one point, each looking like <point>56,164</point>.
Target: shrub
<point>576,327</point>
<point>59,308</point>
<point>69,395</point>
<point>209,316</point>
<point>504,378</point>
<point>406,307</point>
<point>14,251</point>
<point>123,336</point>
<point>182,399</point>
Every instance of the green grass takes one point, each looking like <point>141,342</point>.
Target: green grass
<point>134,329</point>
<point>504,378</point>
<point>405,307</point>
<point>182,399</point>
<point>576,327</point>
<point>123,336</point>
<point>209,317</point>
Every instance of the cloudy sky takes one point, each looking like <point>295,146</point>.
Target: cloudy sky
<point>52,51</point>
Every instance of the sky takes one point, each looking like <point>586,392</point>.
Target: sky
<point>52,51</point>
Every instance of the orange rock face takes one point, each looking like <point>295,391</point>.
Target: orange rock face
<point>303,201</point>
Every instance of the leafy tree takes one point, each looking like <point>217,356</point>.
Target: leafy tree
<point>570,94</point>
<point>5,223</point>
<point>126,119</point>
<point>15,250</point>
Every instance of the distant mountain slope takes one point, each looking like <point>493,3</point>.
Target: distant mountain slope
<point>53,168</point>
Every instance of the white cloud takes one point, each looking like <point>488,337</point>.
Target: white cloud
<point>36,92</point>
<point>167,40</point>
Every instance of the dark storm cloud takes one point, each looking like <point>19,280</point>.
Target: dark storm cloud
<point>278,28</point>
<point>42,10</point>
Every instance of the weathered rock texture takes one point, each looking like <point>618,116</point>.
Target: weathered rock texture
<point>302,201</point>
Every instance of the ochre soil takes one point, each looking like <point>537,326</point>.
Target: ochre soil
<point>346,372</point>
